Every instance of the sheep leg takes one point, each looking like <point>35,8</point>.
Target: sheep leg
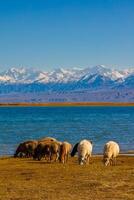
<point>87,159</point>
<point>49,157</point>
<point>79,160</point>
<point>111,161</point>
<point>115,162</point>
<point>107,162</point>
<point>67,157</point>
<point>57,156</point>
<point>39,158</point>
<point>64,159</point>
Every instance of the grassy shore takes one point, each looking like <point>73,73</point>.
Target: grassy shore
<point>25,179</point>
<point>70,104</point>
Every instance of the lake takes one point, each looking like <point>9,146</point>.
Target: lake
<point>97,123</point>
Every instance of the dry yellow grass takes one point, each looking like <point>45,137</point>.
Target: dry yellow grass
<point>25,179</point>
<point>70,104</point>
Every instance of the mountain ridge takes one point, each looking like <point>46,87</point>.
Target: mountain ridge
<point>97,83</point>
<point>29,75</point>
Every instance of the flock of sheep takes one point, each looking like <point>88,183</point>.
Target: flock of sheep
<point>52,149</point>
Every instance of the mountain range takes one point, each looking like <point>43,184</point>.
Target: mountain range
<point>98,83</point>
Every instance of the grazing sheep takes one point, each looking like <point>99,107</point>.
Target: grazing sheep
<point>111,151</point>
<point>65,149</point>
<point>47,149</point>
<point>55,150</point>
<point>26,149</point>
<point>84,149</point>
<point>42,150</point>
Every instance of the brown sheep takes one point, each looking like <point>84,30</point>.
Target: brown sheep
<point>42,150</point>
<point>55,150</point>
<point>65,149</point>
<point>26,149</point>
<point>47,149</point>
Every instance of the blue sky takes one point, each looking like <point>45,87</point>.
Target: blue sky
<point>48,34</point>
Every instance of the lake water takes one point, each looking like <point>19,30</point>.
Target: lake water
<point>99,124</point>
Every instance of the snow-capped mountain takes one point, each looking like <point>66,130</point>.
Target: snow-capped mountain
<point>25,75</point>
<point>74,81</point>
<point>22,75</point>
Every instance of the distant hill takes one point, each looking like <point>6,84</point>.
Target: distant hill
<point>96,84</point>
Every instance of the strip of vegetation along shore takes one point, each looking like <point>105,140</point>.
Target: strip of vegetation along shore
<point>70,104</point>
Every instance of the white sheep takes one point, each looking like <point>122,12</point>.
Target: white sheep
<point>84,151</point>
<point>111,151</point>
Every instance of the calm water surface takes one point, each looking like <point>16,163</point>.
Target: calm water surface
<point>99,124</point>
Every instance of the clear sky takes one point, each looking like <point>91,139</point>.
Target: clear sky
<point>48,34</point>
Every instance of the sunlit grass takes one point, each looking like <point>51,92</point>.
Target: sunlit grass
<point>25,179</point>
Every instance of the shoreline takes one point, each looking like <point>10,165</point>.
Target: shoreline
<point>126,154</point>
<point>67,104</point>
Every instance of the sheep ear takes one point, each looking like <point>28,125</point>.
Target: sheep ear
<point>91,141</point>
